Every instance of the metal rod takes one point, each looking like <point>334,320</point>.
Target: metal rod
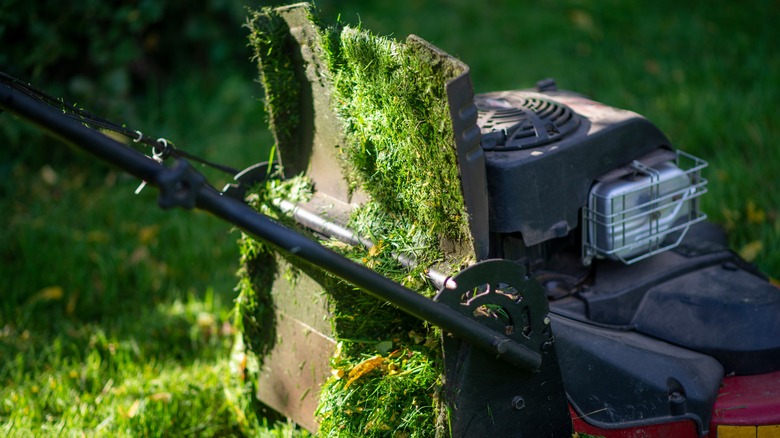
<point>260,226</point>
<point>372,283</point>
<point>322,225</point>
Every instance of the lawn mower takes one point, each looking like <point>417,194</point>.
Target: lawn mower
<point>599,300</point>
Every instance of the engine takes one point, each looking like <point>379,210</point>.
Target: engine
<point>558,162</point>
<point>604,212</point>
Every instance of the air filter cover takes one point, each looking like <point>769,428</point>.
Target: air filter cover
<point>513,120</point>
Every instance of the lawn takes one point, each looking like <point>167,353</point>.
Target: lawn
<point>116,316</point>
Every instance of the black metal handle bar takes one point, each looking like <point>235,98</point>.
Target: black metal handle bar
<point>183,186</point>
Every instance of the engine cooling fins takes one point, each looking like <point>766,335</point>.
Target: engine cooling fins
<point>513,120</point>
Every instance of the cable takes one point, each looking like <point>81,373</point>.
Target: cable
<point>161,147</point>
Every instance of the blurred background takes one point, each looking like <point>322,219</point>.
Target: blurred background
<point>115,316</point>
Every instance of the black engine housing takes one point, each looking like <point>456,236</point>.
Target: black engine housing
<point>664,330</point>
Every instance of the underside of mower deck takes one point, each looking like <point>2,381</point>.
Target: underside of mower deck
<point>586,246</point>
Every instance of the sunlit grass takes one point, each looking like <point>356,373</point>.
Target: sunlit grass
<point>116,317</point>
<point>160,371</point>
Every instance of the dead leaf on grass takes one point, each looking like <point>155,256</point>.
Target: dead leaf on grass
<point>750,251</point>
<point>364,368</point>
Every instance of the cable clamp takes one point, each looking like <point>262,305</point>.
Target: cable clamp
<point>179,186</point>
<point>160,154</point>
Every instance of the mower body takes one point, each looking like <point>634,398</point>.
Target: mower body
<point>656,339</point>
<point>652,326</point>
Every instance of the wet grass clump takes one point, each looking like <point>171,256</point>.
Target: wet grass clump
<point>386,370</point>
<point>270,38</point>
<point>390,101</point>
<point>259,265</point>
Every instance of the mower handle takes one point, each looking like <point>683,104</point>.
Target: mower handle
<point>183,186</point>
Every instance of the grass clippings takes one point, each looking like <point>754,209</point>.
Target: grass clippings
<point>271,41</point>
<point>391,102</point>
<point>393,107</point>
<point>386,370</point>
<point>254,312</point>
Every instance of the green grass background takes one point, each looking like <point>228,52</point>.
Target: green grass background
<point>115,317</point>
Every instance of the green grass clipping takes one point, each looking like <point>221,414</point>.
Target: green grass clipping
<point>391,103</point>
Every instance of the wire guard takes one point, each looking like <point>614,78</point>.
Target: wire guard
<point>179,186</point>
<point>645,213</point>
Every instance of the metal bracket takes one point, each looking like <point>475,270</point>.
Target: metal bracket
<point>179,186</point>
<point>490,397</point>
